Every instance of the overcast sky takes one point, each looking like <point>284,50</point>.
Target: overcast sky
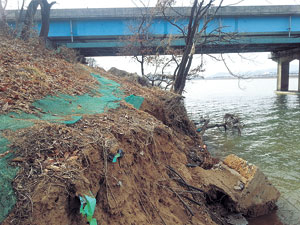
<point>132,3</point>
<point>254,61</point>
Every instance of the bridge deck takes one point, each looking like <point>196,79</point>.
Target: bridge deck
<point>99,31</point>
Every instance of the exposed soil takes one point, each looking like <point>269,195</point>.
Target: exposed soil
<point>151,184</point>
<point>73,161</point>
<point>60,162</point>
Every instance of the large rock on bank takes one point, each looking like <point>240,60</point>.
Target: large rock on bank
<point>241,186</point>
<point>131,76</point>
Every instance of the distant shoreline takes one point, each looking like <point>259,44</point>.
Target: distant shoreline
<point>245,78</point>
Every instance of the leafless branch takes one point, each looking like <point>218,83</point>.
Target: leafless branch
<point>229,70</point>
<point>236,3</point>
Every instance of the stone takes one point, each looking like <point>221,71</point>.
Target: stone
<point>131,76</point>
<point>236,219</point>
<point>258,196</point>
<point>247,189</point>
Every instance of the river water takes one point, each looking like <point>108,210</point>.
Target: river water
<point>270,138</point>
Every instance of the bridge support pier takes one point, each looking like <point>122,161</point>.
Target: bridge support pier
<point>283,58</point>
<point>283,70</point>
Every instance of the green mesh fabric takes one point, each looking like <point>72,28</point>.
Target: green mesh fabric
<point>7,174</point>
<point>62,108</point>
<point>108,96</point>
<point>134,100</point>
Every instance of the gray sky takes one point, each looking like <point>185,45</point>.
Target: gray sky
<point>131,3</point>
<point>255,61</point>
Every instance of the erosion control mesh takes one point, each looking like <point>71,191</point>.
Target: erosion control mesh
<point>65,109</point>
<point>7,174</point>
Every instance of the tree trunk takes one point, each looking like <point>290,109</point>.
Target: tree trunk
<point>2,13</point>
<point>19,23</point>
<point>28,21</point>
<point>45,12</point>
<point>142,61</point>
<point>198,11</point>
<point>182,82</point>
<point>187,57</point>
<point>3,23</point>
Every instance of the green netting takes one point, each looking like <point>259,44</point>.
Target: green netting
<point>108,96</point>
<point>7,174</point>
<point>136,101</point>
<point>64,109</point>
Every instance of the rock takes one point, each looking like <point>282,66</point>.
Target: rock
<point>243,186</point>
<point>240,186</point>
<point>131,76</point>
<point>236,219</point>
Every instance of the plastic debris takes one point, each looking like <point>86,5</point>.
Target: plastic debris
<point>87,208</point>
<point>110,157</point>
<point>120,183</point>
<point>119,154</point>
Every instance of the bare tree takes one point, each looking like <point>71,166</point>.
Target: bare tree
<point>140,43</point>
<point>29,17</point>
<point>148,48</point>
<point>45,12</point>
<point>193,34</point>
<point>91,62</point>
<point>3,4</point>
<point>19,22</point>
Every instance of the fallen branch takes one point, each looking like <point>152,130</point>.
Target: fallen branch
<point>217,125</point>
<point>185,205</point>
<point>204,127</point>
<point>230,121</point>
<point>174,171</point>
<point>182,181</point>
<point>190,186</point>
<point>192,200</point>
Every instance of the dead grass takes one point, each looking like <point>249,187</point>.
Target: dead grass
<point>30,72</point>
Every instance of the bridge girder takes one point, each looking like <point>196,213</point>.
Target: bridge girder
<point>112,46</point>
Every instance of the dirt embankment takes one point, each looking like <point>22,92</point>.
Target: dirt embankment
<point>150,184</point>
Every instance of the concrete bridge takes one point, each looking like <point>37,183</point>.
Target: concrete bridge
<point>101,32</point>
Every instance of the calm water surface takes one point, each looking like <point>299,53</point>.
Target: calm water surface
<point>270,139</point>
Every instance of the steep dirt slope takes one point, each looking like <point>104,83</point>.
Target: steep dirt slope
<point>158,180</point>
<point>59,162</point>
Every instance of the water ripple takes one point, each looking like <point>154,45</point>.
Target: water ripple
<point>271,137</point>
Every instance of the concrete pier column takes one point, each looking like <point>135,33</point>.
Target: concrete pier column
<point>283,69</point>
